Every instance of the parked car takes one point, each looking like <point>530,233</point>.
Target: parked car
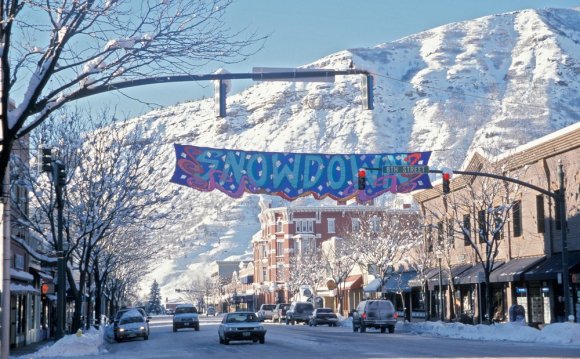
<point>185,317</point>
<point>266,311</point>
<point>210,311</point>
<point>241,326</point>
<point>323,316</point>
<point>279,312</point>
<point>132,324</point>
<point>299,312</point>
<point>378,314</point>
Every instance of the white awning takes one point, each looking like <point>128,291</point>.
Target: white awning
<point>373,286</point>
<point>21,288</point>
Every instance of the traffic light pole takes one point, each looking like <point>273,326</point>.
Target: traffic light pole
<point>61,278</point>
<point>560,201</point>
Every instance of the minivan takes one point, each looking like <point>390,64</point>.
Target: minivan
<point>378,314</point>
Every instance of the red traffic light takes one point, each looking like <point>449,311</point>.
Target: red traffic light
<point>362,180</point>
<point>446,176</point>
<point>362,173</point>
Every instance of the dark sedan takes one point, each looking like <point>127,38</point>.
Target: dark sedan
<point>323,316</point>
<point>241,326</point>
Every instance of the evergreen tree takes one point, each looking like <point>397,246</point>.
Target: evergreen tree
<point>155,298</point>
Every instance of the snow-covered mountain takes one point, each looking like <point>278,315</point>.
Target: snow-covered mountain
<point>489,84</point>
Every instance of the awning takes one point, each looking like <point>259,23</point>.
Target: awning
<point>399,282</point>
<point>21,275</point>
<point>373,286</point>
<point>22,288</point>
<point>512,271</point>
<point>475,274</point>
<point>417,282</point>
<point>455,272</point>
<point>549,269</point>
<point>352,282</point>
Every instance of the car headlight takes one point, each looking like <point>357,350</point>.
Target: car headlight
<point>141,328</point>
<point>121,329</point>
<point>260,327</point>
<point>230,329</point>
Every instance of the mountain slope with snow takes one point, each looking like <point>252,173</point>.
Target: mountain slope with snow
<point>489,84</point>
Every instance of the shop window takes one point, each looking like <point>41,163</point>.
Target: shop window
<point>331,225</point>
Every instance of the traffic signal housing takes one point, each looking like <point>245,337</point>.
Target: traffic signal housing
<point>446,182</point>
<point>61,174</point>
<point>362,179</point>
<point>46,159</point>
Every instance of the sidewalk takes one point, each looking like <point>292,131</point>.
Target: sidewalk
<point>29,349</point>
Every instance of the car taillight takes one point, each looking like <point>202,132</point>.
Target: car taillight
<point>396,315</point>
<point>364,316</point>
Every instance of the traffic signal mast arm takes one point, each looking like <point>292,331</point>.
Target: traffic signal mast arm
<point>504,178</point>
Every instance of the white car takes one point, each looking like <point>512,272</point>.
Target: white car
<point>185,317</point>
<point>132,325</point>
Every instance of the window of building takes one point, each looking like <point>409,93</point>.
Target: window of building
<point>497,224</point>
<point>264,274</point>
<point>466,230</point>
<point>517,218</point>
<point>450,234</point>
<point>355,223</point>
<point>331,225</point>
<point>279,248</point>
<point>375,224</point>
<point>540,213</point>
<point>440,234</point>
<point>280,272</point>
<point>482,226</point>
<point>304,226</point>
<point>279,226</point>
<point>307,245</point>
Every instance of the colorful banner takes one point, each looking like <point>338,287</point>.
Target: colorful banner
<point>292,175</point>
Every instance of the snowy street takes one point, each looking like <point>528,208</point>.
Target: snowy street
<point>302,341</point>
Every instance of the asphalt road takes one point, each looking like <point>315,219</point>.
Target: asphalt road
<point>301,341</point>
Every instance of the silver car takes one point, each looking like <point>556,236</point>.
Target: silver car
<point>241,326</point>
<point>132,325</point>
<point>185,317</point>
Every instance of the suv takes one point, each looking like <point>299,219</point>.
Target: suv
<point>378,314</point>
<point>266,311</point>
<point>299,312</point>
<point>185,317</point>
<point>280,312</point>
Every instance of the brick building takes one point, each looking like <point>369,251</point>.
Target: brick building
<point>528,267</point>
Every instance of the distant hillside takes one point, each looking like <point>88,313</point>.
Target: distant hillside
<point>491,84</point>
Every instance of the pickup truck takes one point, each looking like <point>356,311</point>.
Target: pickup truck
<point>266,311</point>
<point>279,314</point>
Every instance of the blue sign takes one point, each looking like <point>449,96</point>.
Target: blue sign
<point>292,175</point>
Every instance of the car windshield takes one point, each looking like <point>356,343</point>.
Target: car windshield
<point>242,317</point>
<point>324,310</point>
<point>127,320</point>
<point>183,310</point>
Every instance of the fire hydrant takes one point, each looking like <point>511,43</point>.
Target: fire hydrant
<point>79,333</point>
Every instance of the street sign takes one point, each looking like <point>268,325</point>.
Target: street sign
<point>405,169</point>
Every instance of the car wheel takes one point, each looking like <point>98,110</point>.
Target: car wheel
<point>287,322</point>
<point>254,340</point>
<point>174,328</point>
<point>293,322</point>
<point>391,329</point>
<point>262,340</point>
<point>221,340</point>
<point>383,329</point>
<point>226,341</point>
<point>363,328</point>
<point>146,337</point>
<point>197,328</point>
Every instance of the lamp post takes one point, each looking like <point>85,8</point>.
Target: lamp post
<point>439,255</point>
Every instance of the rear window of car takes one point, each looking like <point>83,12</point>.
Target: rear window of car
<point>182,310</point>
<point>324,310</point>
<point>303,306</point>
<point>268,306</point>
<point>376,304</point>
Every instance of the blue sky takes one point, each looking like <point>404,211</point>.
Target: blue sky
<point>302,31</point>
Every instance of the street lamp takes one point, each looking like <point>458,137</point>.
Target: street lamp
<point>439,255</point>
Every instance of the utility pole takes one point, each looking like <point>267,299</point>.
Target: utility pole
<point>561,200</point>
<point>59,179</point>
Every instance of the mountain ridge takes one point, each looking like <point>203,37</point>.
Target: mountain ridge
<point>489,84</point>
